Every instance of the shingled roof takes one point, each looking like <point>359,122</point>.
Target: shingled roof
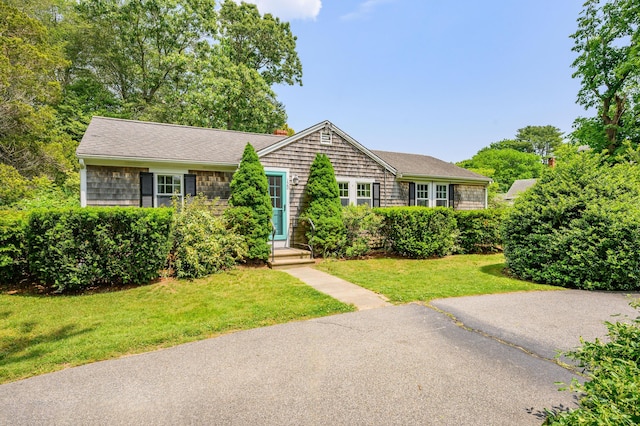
<point>518,186</point>
<point>416,165</point>
<point>138,140</point>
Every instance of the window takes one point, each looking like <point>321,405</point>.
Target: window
<point>343,189</point>
<point>168,186</point>
<point>422,194</point>
<point>441,196</point>
<point>325,137</point>
<point>363,194</point>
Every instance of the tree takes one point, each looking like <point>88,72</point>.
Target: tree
<point>508,165</point>
<point>607,42</point>
<point>29,61</point>
<point>250,205</point>
<point>518,145</point>
<point>542,139</point>
<point>323,207</point>
<point>262,43</point>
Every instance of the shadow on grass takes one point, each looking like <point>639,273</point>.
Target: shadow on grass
<point>497,270</point>
<point>25,347</point>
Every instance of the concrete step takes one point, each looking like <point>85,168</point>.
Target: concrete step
<point>290,263</point>
<point>290,258</point>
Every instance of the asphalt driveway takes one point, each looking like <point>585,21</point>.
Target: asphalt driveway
<point>407,364</point>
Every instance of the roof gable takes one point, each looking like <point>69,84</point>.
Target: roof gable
<point>115,138</point>
<point>328,126</point>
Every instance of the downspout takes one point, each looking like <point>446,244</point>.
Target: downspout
<point>83,183</point>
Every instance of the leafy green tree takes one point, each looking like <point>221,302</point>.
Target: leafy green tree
<point>607,42</point>
<point>323,207</point>
<point>508,165</point>
<point>542,139</point>
<point>250,205</point>
<point>262,43</point>
<point>29,60</point>
<point>518,145</point>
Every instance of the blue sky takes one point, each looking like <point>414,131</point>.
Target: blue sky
<point>432,77</point>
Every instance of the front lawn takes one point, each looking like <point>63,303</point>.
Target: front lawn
<point>408,280</point>
<point>40,334</point>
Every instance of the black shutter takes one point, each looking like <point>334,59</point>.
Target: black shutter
<point>452,196</point>
<point>146,189</point>
<point>190,185</point>
<point>376,194</point>
<point>412,194</point>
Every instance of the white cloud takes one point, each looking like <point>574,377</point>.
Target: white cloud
<point>288,10</point>
<point>364,10</point>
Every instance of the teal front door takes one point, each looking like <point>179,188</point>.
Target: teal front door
<point>278,194</point>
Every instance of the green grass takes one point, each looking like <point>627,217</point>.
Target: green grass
<point>40,334</point>
<point>407,280</point>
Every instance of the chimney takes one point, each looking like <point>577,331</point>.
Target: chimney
<point>552,162</point>
<point>280,132</point>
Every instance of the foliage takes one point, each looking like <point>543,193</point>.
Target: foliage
<point>202,244</point>
<point>479,231</point>
<point>518,145</point>
<point>75,330</point>
<point>611,395</point>
<point>13,255</point>
<point>607,64</point>
<point>261,43</point>
<point>362,226</point>
<point>419,232</point>
<point>29,61</point>
<point>542,139</point>
<point>579,226</point>
<point>14,186</point>
<point>508,164</point>
<point>74,249</point>
<point>410,280</point>
<point>322,205</point>
<point>250,209</point>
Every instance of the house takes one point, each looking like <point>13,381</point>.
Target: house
<point>134,163</point>
<point>518,186</point>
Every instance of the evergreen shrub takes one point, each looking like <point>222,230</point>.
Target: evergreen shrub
<point>323,207</point>
<point>202,244</point>
<point>13,255</point>
<point>72,249</point>
<point>419,232</point>
<point>250,210</point>
<point>479,231</point>
<point>579,226</point>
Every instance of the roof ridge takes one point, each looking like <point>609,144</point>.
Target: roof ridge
<point>155,123</point>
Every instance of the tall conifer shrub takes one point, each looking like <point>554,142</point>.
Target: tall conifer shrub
<point>250,205</point>
<point>322,201</point>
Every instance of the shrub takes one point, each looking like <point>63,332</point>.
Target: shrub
<point>13,256</point>
<point>73,249</point>
<point>612,393</point>
<point>250,209</point>
<point>363,226</point>
<point>202,244</point>
<point>479,231</point>
<point>419,232</point>
<point>579,226</point>
<point>323,207</point>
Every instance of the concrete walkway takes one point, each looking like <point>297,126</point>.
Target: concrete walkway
<point>339,289</point>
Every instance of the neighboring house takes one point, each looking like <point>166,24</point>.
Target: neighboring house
<point>134,163</point>
<point>519,186</point>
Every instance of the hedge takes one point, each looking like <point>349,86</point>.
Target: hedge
<point>13,256</point>
<point>72,249</point>
<point>479,231</point>
<point>419,232</point>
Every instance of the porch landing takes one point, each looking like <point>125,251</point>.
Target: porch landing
<point>286,257</point>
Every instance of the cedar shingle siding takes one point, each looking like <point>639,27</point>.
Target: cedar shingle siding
<point>469,197</point>
<point>113,186</point>
<point>213,184</point>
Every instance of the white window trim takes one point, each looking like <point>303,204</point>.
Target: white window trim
<point>166,172</point>
<point>432,200</point>
<point>353,188</point>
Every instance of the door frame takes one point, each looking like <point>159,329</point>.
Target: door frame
<point>284,174</point>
